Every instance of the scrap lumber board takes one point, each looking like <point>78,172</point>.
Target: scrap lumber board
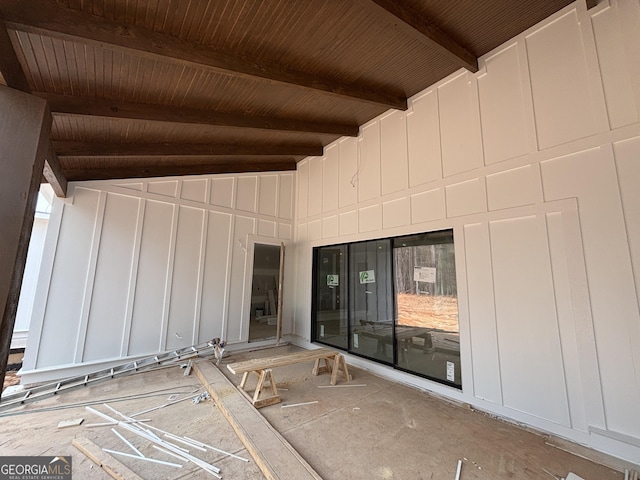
<point>277,459</point>
<point>262,367</point>
<point>70,423</point>
<point>105,461</point>
<point>280,360</point>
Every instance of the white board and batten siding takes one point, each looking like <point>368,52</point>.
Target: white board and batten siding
<point>534,162</point>
<point>132,268</point>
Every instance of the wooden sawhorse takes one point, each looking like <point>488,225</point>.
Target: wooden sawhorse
<point>333,362</point>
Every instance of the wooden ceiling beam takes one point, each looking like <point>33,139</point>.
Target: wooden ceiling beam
<point>15,78</point>
<point>9,64</point>
<point>411,22</point>
<point>51,19</point>
<point>54,175</point>
<point>90,149</point>
<point>178,170</point>
<point>72,105</point>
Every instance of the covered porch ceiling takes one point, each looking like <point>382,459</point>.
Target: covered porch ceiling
<point>147,88</point>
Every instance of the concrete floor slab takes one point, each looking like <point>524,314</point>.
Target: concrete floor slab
<point>36,433</point>
<point>383,430</point>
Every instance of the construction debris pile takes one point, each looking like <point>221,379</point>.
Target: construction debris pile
<point>161,440</point>
<point>213,347</point>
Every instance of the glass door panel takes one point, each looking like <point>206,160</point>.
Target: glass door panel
<point>264,292</point>
<point>331,323</point>
<point>371,300</point>
<point>426,325</point>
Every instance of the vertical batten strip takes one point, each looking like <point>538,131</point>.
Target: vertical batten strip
<point>133,279</point>
<point>277,201</point>
<point>590,376</point>
<point>495,311</point>
<point>227,291</point>
<point>464,321</point>
<point>169,279</point>
<point>593,68</point>
<point>201,267</point>
<point>566,325</point>
<point>90,279</point>
<point>207,194</point>
<point>629,18</point>
<point>527,96</point>
<point>475,102</point>
<point>44,283</point>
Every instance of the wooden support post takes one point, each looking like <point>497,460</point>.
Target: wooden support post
<point>336,368</point>
<point>264,376</point>
<point>317,369</point>
<point>339,365</point>
<point>245,375</point>
<point>25,125</point>
<point>261,378</point>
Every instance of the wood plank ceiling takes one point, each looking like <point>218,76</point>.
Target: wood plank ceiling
<point>141,88</point>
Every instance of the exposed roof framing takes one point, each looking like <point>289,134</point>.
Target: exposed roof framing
<point>88,149</point>
<point>163,170</point>
<point>67,104</point>
<point>142,88</point>
<point>410,21</point>
<point>15,78</point>
<point>56,21</point>
<point>9,64</point>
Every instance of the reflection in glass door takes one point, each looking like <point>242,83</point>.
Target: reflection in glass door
<point>393,301</point>
<point>264,292</point>
<point>330,292</point>
<point>426,327</point>
<point>371,300</point>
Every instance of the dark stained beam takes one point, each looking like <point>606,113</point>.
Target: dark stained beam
<point>88,149</point>
<point>14,76</point>
<point>591,4</point>
<point>9,65</point>
<point>71,105</point>
<point>51,19</point>
<point>411,22</point>
<point>178,170</point>
<point>25,127</point>
<point>54,175</point>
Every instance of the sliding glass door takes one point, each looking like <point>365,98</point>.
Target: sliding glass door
<point>371,300</point>
<point>330,296</point>
<point>426,324</point>
<point>393,301</point>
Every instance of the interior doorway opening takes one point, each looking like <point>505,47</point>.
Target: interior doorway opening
<point>263,321</point>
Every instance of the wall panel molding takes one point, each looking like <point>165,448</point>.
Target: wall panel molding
<point>90,279</point>
<point>163,261</point>
<point>133,280</point>
<point>43,286</point>
<point>168,284</point>
<point>543,139</point>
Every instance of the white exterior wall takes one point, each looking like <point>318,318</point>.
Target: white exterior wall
<point>535,163</point>
<point>29,282</point>
<point>132,268</point>
<point>32,267</point>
